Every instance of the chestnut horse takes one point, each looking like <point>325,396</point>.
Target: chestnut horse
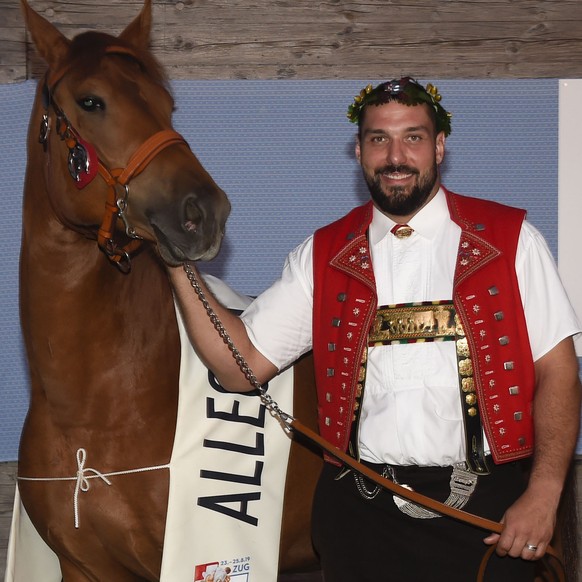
<point>111,194</point>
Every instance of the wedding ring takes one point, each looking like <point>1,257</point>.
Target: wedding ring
<point>531,547</point>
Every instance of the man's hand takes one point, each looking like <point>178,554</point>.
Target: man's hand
<point>528,526</point>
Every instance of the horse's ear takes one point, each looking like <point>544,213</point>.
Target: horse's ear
<point>50,44</point>
<point>138,32</point>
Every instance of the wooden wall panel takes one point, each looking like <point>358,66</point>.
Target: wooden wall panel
<point>333,39</point>
<point>7,486</point>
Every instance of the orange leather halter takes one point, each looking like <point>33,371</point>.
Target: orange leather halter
<point>115,205</point>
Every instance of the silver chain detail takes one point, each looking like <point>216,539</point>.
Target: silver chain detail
<point>462,484</point>
<point>283,417</point>
<point>387,472</point>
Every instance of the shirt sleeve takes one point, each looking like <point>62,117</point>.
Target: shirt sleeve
<point>549,315</point>
<point>279,320</point>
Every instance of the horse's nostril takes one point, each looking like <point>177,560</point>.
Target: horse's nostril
<point>192,215</point>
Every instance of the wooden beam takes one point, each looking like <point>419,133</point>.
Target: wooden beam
<point>305,39</point>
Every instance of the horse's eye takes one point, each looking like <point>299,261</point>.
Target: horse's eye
<point>90,103</point>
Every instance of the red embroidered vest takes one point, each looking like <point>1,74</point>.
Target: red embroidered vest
<point>486,297</point>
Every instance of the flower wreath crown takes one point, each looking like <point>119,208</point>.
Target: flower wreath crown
<point>407,91</point>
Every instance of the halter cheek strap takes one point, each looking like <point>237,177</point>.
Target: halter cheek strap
<point>115,206</point>
<point>83,160</point>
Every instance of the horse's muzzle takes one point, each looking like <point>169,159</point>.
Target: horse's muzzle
<point>196,233</point>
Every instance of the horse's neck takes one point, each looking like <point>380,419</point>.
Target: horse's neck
<point>87,326</point>
<point>101,345</point>
<point>66,274</point>
<point>73,298</point>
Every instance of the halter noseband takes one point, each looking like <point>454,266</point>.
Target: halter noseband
<point>82,167</point>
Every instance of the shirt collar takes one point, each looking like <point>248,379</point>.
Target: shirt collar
<point>427,222</point>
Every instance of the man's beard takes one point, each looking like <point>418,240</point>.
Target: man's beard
<point>401,200</point>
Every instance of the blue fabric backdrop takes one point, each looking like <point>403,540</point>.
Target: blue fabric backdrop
<point>283,151</point>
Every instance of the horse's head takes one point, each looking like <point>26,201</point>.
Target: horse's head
<point>115,164</point>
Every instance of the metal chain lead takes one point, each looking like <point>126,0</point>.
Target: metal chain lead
<point>266,398</point>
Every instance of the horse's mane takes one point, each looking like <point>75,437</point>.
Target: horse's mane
<point>88,48</point>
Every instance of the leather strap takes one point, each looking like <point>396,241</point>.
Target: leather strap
<point>121,176</point>
<point>551,560</point>
<point>472,425</point>
<point>147,151</point>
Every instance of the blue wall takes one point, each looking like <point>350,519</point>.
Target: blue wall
<point>283,151</point>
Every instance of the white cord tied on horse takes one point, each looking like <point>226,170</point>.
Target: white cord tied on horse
<point>83,481</point>
<point>82,478</point>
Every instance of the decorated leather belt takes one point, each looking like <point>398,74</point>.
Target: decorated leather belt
<point>430,321</point>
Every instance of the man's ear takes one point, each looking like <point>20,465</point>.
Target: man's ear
<point>440,147</point>
<point>357,150</point>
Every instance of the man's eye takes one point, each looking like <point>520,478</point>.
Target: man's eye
<point>90,103</point>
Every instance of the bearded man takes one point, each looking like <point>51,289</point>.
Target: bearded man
<point>444,359</point>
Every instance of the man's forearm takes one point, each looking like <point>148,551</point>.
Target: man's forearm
<point>556,417</point>
<point>210,347</point>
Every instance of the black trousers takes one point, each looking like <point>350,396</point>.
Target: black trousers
<point>361,540</point>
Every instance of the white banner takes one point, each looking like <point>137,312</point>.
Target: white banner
<point>227,479</point>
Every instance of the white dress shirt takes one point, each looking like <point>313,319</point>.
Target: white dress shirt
<point>411,410</point>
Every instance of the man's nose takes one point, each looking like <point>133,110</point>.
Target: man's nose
<point>395,154</point>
